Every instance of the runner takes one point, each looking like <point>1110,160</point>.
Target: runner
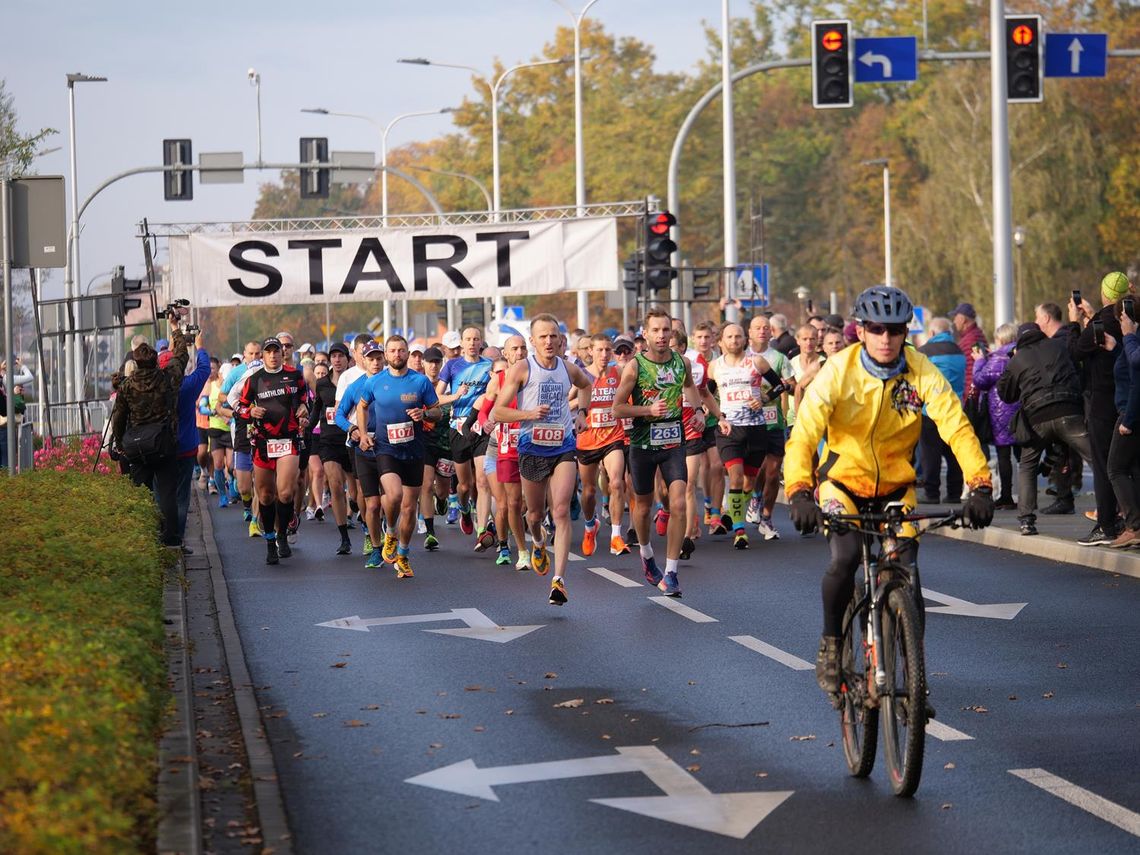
<point>602,442</point>
<point>768,481</point>
<point>272,399</point>
<point>438,467</point>
<point>543,384</point>
<point>743,439</point>
<point>364,460</point>
<point>332,448</point>
<point>243,449</point>
<point>395,402</point>
<point>705,336</point>
<point>697,437</point>
<point>351,375</point>
<point>652,386</point>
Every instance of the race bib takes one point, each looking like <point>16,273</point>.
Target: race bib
<point>737,395</point>
<point>330,415</point>
<point>664,434</point>
<point>627,425</point>
<point>401,432</point>
<point>602,418</point>
<point>548,435</point>
<point>444,468</point>
<point>771,415</point>
<point>275,448</point>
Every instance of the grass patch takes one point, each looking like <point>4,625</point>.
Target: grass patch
<point>82,668</point>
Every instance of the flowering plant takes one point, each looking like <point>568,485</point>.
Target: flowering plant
<point>69,454</point>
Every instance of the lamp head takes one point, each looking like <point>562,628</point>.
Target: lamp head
<point>253,76</point>
<point>417,60</point>
<point>321,111</point>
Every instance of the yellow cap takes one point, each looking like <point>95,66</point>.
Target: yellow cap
<point>1113,286</point>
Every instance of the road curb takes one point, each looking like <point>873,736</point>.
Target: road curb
<point>269,803</point>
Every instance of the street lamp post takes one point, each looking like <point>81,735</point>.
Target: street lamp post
<point>1018,242</point>
<point>883,162</point>
<point>579,152</point>
<point>75,358</point>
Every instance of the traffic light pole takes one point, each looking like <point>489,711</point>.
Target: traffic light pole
<point>999,156</point>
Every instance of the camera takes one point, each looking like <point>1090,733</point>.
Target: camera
<point>176,309</point>
<point>191,330</point>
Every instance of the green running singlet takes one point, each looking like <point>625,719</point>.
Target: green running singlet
<point>664,381</point>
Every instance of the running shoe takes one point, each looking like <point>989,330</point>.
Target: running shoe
<point>754,512</point>
<point>403,568</point>
<point>631,537</point>
<point>718,526</point>
<point>649,567</point>
<point>319,514</point>
<point>431,544</point>
<point>349,523</point>
<point>345,548</point>
<point>540,560</point>
<point>618,546</point>
<point>388,550</point>
<point>310,514</point>
<point>557,593</point>
<point>662,521</point>
<point>708,517</point>
<point>740,539</point>
<point>766,528</point>
<point>224,500</point>
<point>247,515</point>
<point>255,528</point>
<point>688,547</point>
<point>590,540</point>
<point>504,557</point>
<point>452,514</point>
<point>726,522</point>
<point>283,547</point>
<point>421,526</point>
<point>605,510</point>
<point>484,541</point>
<point>367,550</point>
<point>524,560</point>
<point>271,555</point>
<point>375,560</point>
<point>213,487</point>
<point>670,586</point>
<point>466,525</point>
<point>291,530</point>
<point>235,496</point>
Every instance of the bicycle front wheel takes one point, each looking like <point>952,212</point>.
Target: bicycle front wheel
<point>902,705</point>
<point>859,720</point>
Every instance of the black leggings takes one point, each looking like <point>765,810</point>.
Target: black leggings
<point>1005,455</point>
<point>838,583</point>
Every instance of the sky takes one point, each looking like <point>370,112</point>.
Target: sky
<point>179,70</point>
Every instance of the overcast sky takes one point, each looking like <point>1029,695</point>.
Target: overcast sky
<point>179,70</point>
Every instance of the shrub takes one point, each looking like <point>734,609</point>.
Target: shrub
<point>73,454</point>
<point>82,668</point>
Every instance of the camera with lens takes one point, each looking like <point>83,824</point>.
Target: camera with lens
<point>191,330</point>
<point>176,310</point>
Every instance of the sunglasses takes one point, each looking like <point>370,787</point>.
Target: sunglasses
<point>889,329</point>
<point>287,344</point>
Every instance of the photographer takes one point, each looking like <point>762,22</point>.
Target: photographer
<point>144,425</point>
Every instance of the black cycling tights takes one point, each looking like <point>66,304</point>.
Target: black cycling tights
<point>838,583</point>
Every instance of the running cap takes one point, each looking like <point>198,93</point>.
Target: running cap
<point>433,354</point>
<point>338,347</point>
<point>451,339</point>
<point>161,345</point>
<point>373,347</point>
<point>306,348</point>
<point>272,341</point>
<point>417,347</point>
<point>236,356</point>
<point>834,321</point>
<point>964,309</point>
<point>623,341</point>
<point>1113,286</point>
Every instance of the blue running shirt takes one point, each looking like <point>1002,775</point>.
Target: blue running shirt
<point>475,374</point>
<point>389,398</point>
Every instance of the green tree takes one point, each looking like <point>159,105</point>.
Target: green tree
<point>17,150</point>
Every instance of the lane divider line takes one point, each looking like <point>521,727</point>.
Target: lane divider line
<point>684,611</point>
<point>1087,801</point>
<point>945,732</point>
<point>784,658</point>
<point>616,578</point>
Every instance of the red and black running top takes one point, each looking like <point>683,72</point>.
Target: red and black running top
<point>281,394</point>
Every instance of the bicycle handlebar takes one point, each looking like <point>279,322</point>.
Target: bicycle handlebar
<point>858,522</point>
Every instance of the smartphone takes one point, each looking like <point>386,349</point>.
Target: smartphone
<point>811,308</point>
<point>1129,306</point>
<point>1076,298</point>
<point>1098,333</point>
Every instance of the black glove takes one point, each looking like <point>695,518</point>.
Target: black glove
<point>806,515</point>
<point>978,509</point>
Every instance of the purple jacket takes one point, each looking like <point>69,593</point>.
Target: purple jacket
<point>987,370</point>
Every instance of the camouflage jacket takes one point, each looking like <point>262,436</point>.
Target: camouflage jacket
<point>150,394</point>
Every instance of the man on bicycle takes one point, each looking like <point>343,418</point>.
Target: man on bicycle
<point>868,400</point>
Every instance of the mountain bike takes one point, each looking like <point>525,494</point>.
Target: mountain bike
<point>882,667</point>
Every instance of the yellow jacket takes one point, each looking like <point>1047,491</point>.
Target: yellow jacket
<point>872,427</point>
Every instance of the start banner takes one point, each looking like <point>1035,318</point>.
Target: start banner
<point>495,259</point>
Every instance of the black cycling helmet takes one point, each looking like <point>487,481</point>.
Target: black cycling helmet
<point>884,304</point>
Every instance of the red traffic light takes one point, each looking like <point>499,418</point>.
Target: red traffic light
<point>1022,35</point>
<point>660,223</point>
<point>832,40</point>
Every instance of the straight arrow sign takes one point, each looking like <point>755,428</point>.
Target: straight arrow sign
<point>686,801</point>
<point>478,625</point>
<point>954,606</point>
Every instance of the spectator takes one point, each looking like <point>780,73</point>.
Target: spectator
<point>1097,361</point>
<point>1041,377</point>
<point>987,370</point>
<point>969,334</point>
<point>1124,452</point>
<point>1066,475</point>
<point>188,393</point>
<point>947,358</point>
<point>782,339</point>
<point>20,376</point>
<point>144,426</point>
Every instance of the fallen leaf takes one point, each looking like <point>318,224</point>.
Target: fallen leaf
<point>298,754</point>
<point>696,767</point>
<point>947,806</point>
<point>938,673</point>
<point>806,738</point>
<point>692,682</point>
<point>479,728</point>
<point>355,722</point>
<point>632,720</point>
<point>344,654</point>
<point>182,758</point>
<point>339,665</point>
<point>278,714</point>
<point>949,766</point>
<point>1062,665</point>
<point>574,703</point>
<point>976,708</point>
<point>695,751</point>
<point>421,712</point>
<point>472,688</point>
<point>450,715</point>
<point>371,707</point>
<point>606,736</point>
<point>1047,695</point>
<point>604,701</point>
<point>319,714</point>
<point>436,745</point>
<point>509,712</point>
<point>1013,697</point>
<point>206,784</point>
<point>550,675</point>
<point>441,694</point>
<point>761,774</point>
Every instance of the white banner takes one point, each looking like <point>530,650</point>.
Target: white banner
<point>507,259</point>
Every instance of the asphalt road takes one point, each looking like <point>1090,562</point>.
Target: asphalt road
<point>678,707</point>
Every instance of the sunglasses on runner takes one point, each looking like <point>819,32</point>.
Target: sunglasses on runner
<point>890,329</point>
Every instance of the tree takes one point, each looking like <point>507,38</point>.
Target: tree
<point>17,150</point>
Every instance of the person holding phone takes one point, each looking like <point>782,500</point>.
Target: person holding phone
<point>1124,450</point>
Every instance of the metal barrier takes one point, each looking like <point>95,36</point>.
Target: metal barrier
<point>26,446</point>
<point>67,420</point>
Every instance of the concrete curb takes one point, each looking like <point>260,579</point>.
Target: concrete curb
<point>270,804</point>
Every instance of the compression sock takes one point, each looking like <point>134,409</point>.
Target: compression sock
<point>736,508</point>
<point>353,507</point>
<point>429,524</point>
<point>284,515</point>
<point>646,550</point>
<point>503,545</point>
<point>343,529</point>
<point>592,523</point>
<point>247,500</point>
<point>220,480</point>
<point>714,513</point>
<point>269,519</point>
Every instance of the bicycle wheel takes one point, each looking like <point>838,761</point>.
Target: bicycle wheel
<point>859,721</point>
<point>902,704</point>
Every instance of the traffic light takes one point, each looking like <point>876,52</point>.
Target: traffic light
<point>832,64</point>
<point>177,184</point>
<point>631,274</point>
<point>314,181</point>
<point>120,287</point>
<point>659,248</point>
<point>1024,67</point>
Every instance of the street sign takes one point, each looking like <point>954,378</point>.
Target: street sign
<point>886,60</point>
<point>375,325</point>
<point>513,313</point>
<point>1076,54</point>
<point>751,283</point>
<point>918,322</point>
<point>327,330</point>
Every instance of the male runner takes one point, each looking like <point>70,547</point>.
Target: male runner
<point>243,450</point>
<point>656,381</point>
<point>438,467</point>
<point>332,448</point>
<point>768,480</point>
<point>705,335</point>
<point>364,460</point>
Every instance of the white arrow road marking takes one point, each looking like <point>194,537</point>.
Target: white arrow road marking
<point>478,625</point>
<point>954,606</point>
<point>574,556</point>
<point>868,59</point>
<point>684,611</point>
<point>686,801</point>
<point>793,662</point>
<point>614,577</point>
<point>1089,802</point>
<point>1075,48</point>
<point>944,732</point>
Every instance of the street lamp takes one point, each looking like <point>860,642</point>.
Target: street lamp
<point>75,361</point>
<point>802,294</point>
<point>579,153</point>
<point>1019,241</point>
<point>883,162</point>
<point>482,187</point>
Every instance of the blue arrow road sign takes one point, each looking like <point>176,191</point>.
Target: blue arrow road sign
<point>1076,54</point>
<point>893,60</point>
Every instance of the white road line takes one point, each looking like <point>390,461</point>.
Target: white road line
<point>614,577</point>
<point>683,611</point>
<point>573,556</point>
<point>944,732</point>
<point>1082,798</point>
<point>793,662</point>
